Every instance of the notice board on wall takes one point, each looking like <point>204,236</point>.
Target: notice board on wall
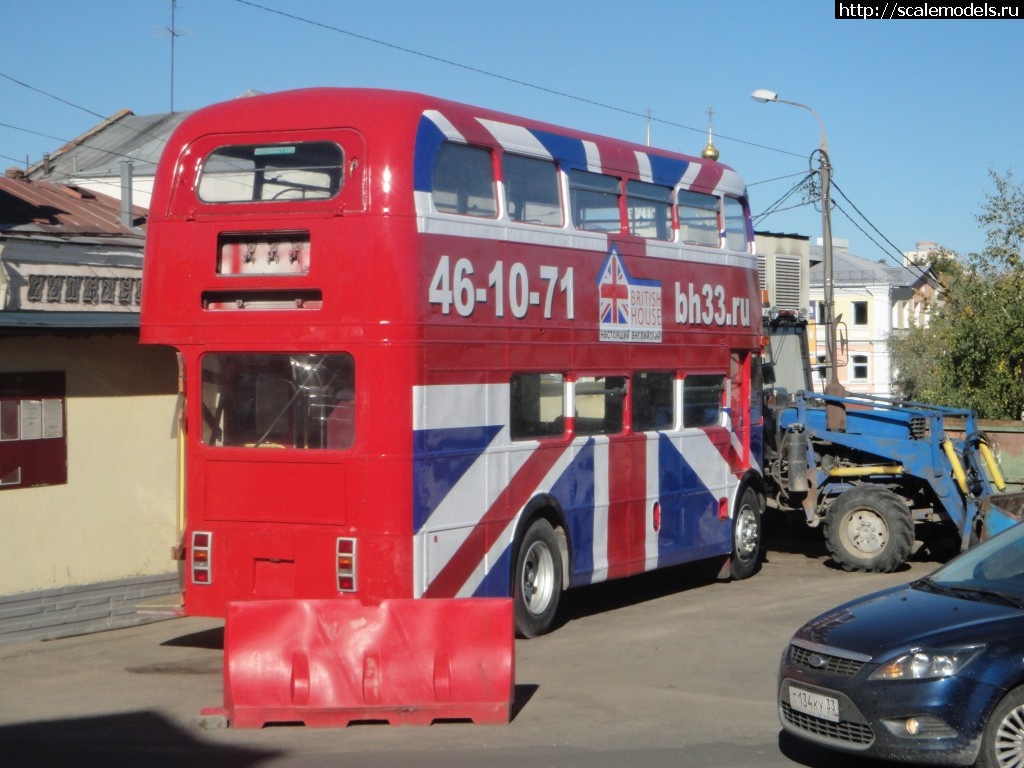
<point>33,429</point>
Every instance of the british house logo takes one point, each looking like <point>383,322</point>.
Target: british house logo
<point>629,308</point>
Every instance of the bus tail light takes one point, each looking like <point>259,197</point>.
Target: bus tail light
<point>346,565</point>
<point>199,557</point>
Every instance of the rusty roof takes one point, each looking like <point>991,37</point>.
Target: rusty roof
<point>61,210</point>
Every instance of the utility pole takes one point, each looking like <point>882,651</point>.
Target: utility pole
<point>835,413</point>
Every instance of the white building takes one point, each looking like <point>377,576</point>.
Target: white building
<point>872,300</point>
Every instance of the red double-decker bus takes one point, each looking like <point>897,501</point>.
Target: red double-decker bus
<point>431,350</point>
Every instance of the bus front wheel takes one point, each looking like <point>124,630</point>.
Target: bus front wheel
<point>537,588</point>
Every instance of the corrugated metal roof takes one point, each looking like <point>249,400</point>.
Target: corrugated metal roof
<point>848,269</point>
<point>99,151</point>
<point>60,210</point>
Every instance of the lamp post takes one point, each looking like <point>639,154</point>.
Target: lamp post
<point>835,413</point>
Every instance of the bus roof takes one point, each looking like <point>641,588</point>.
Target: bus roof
<point>396,115</point>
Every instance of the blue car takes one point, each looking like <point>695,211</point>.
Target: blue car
<point>929,672</point>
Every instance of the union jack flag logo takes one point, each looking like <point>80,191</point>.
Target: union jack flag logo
<point>613,287</point>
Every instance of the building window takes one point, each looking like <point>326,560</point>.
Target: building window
<point>33,430</point>
<point>860,367</point>
<point>860,313</point>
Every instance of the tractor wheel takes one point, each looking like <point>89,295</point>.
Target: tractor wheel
<point>869,528</point>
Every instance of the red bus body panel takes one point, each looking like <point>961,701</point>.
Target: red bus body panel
<point>433,487</point>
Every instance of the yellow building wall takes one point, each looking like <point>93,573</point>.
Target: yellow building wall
<point>116,516</point>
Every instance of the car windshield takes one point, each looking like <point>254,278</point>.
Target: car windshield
<point>993,570</point>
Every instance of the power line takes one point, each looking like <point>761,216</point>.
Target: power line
<point>504,78</point>
<point>51,96</point>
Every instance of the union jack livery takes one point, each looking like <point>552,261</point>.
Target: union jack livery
<point>430,350</point>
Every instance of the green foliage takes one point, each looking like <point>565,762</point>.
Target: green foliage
<point>971,354</point>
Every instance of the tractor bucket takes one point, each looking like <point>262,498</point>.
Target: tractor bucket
<point>327,663</point>
<point>1001,511</point>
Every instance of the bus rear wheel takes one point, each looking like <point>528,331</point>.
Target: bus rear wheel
<point>746,537</point>
<point>537,588</point>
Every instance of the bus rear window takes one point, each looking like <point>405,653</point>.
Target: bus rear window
<point>278,400</point>
<point>266,172</point>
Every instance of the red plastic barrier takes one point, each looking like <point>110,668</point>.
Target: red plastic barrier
<point>327,663</point>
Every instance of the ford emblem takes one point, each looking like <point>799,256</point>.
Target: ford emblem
<point>817,661</point>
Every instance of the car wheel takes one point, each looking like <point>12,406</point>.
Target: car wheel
<point>746,537</point>
<point>869,528</point>
<point>1002,741</point>
<point>537,588</point>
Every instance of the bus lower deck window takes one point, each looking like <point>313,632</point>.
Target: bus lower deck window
<point>537,405</point>
<point>259,400</point>
<point>598,404</point>
<point>702,400</point>
<point>653,401</point>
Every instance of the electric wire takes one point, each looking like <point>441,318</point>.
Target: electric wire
<point>504,78</point>
<point>773,208</point>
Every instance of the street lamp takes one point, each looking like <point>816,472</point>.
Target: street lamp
<point>836,414</point>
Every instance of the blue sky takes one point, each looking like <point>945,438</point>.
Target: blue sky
<point>917,112</point>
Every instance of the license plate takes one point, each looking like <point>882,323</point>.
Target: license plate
<point>810,703</point>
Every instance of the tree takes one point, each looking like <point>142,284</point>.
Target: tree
<point>971,353</point>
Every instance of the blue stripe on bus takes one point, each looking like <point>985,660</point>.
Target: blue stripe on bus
<point>498,579</point>
<point>689,510</point>
<point>574,491</point>
<point>428,138</point>
<point>440,459</point>
<point>567,151</point>
<point>666,171</point>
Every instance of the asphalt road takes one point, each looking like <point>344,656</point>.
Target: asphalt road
<point>668,669</point>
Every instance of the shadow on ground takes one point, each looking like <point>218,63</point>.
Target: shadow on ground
<point>112,741</point>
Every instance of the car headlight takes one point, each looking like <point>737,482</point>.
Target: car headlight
<point>927,663</point>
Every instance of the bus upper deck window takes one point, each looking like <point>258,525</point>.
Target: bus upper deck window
<point>463,181</point>
<point>649,210</point>
<point>531,190</point>
<point>594,199</point>
<point>272,172</point>
<point>735,225</point>
<point>698,218</point>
